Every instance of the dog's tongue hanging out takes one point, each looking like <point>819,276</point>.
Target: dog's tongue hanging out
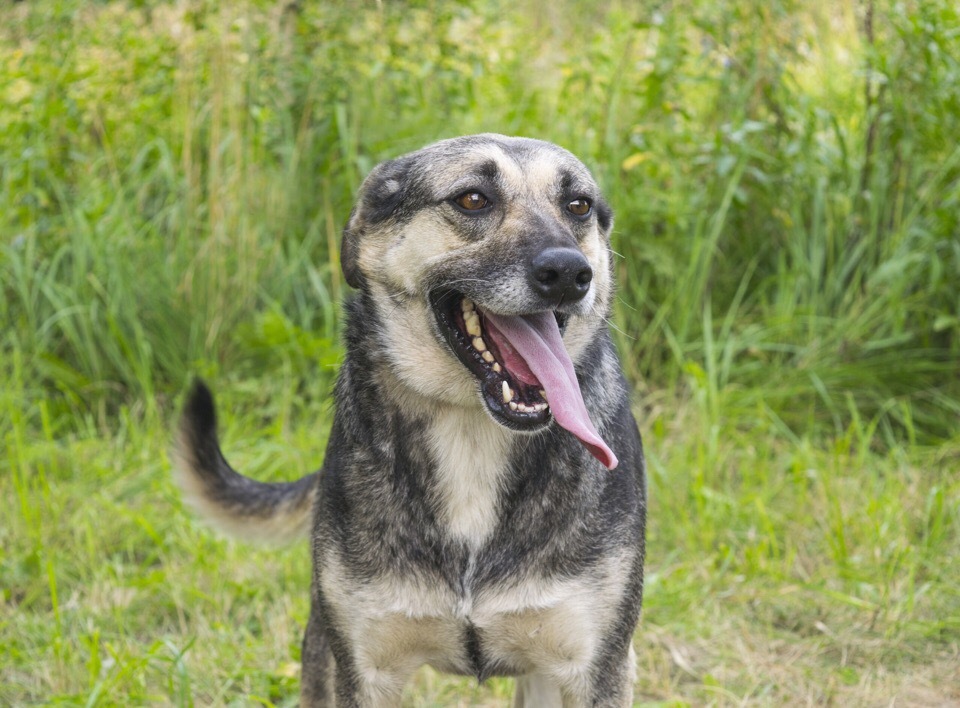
<point>542,356</point>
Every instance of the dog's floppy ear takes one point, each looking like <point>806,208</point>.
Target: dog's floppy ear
<point>350,252</point>
<point>381,194</point>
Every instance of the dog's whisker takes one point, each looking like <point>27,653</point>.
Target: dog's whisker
<point>611,324</point>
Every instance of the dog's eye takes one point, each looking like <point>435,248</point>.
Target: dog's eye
<point>471,201</point>
<point>580,207</point>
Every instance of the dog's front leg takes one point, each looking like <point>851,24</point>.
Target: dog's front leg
<point>335,673</point>
<point>614,682</point>
<point>364,671</point>
<point>536,691</point>
<point>574,684</point>
<point>316,662</point>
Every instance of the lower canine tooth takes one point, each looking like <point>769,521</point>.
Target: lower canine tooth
<point>507,392</point>
<point>479,344</point>
<point>487,357</point>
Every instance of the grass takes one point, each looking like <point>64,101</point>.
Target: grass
<point>172,184</point>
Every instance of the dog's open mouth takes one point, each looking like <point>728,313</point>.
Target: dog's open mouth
<point>524,370</point>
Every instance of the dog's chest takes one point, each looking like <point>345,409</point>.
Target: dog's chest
<point>531,623</point>
<point>457,622</point>
<point>471,455</point>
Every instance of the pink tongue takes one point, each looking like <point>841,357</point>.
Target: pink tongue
<point>536,338</point>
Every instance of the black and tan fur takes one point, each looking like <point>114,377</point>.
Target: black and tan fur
<point>439,534</point>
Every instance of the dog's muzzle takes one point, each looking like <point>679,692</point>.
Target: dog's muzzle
<point>524,371</point>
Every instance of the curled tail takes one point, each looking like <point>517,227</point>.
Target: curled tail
<point>242,507</point>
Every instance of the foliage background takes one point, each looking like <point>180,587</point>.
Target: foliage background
<point>786,177</point>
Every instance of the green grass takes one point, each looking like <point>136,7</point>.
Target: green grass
<point>786,180</point>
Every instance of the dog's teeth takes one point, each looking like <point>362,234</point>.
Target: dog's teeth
<point>507,392</point>
<point>473,324</point>
<point>496,367</point>
<point>487,357</point>
<point>524,409</point>
<point>540,407</point>
<point>466,305</point>
<point>543,394</point>
<point>479,344</point>
<point>513,406</point>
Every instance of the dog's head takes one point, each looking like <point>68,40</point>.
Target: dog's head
<point>466,246</point>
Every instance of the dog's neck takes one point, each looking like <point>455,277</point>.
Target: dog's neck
<point>466,455</point>
<point>472,458</point>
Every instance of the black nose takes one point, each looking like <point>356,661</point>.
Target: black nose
<point>561,274</point>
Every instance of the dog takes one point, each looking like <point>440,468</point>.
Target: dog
<point>482,503</point>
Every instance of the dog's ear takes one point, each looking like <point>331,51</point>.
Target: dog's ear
<point>350,252</point>
<point>381,195</point>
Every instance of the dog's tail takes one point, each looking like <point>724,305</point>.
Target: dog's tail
<point>242,507</point>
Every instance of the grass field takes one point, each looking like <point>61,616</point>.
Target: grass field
<point>786,179</point>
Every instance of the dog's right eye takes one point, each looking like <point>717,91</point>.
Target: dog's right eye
<point>471,201</point>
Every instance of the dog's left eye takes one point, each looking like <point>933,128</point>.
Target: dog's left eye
<point>471,201</point>
<point>580,206</point>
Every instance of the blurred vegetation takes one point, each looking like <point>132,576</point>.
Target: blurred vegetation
<point>786,180</point>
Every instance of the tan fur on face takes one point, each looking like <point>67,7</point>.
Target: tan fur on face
<point>409,329</point>
<point>424,241</point>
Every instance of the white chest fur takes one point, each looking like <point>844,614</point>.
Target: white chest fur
<point>471,453</point>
